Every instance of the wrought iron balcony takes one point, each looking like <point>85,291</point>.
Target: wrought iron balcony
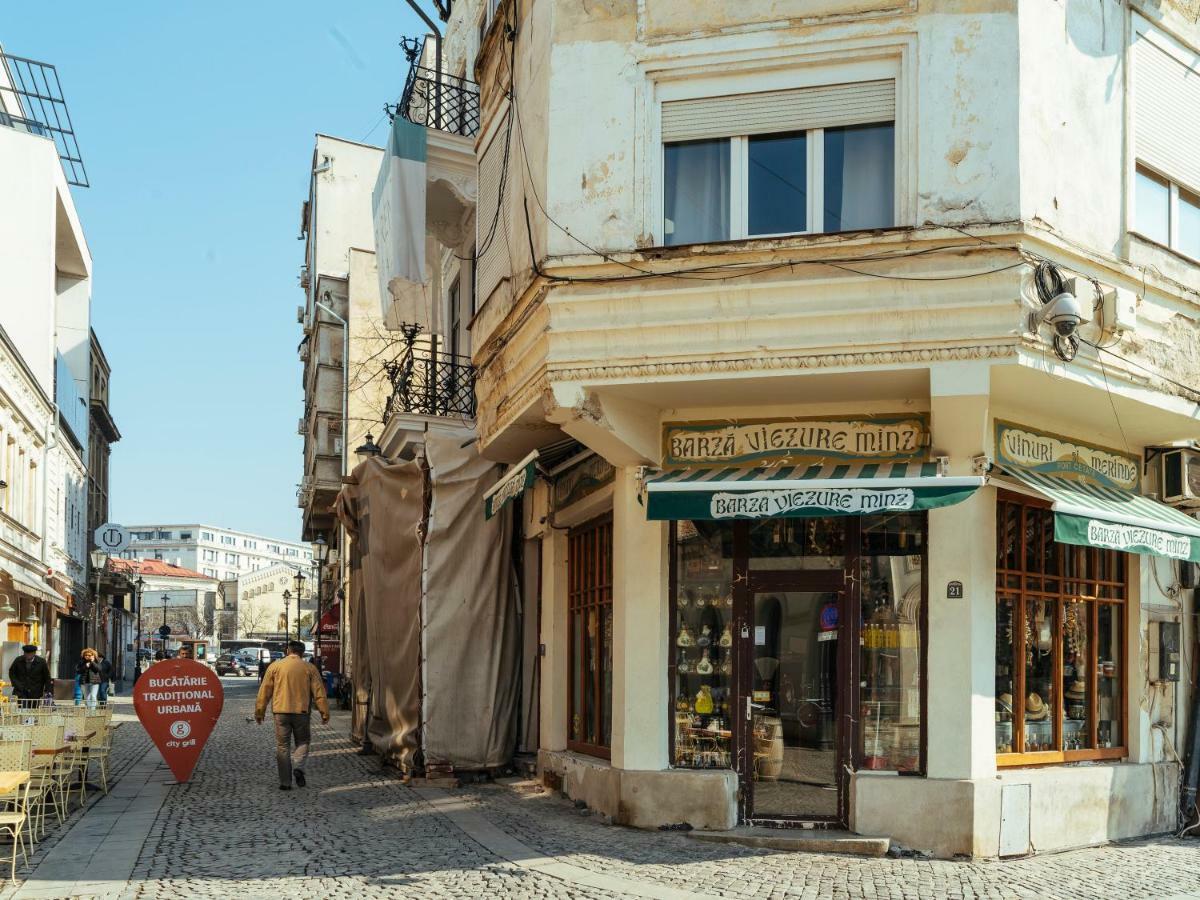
<point>437,100</point>
<point>31,99</point>
<point>428,383</point>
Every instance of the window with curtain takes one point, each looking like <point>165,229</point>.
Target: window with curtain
<point>1060,631</point>
<point>809,160</point>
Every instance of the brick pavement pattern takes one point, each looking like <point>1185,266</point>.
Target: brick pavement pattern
<point>356,831</point>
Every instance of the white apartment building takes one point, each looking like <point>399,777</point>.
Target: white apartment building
<point>215,552</point>
<point>45,365</point>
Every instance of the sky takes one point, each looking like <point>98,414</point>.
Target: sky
<point>196,123</point>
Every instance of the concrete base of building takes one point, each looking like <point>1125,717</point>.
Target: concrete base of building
<point>1020,811</point>
<point>703,799</point>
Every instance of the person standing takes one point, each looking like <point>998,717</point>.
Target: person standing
<point>88,671</point>
<point>292,687</point>
<point>106,670</point>
<point>30,677</point>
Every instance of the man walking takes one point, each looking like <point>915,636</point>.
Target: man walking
<point>30,677</point>
<point>292,687</point>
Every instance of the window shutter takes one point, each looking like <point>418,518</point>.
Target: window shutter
<point>492,263</point>
<point>1167,113</point>
<point>827,106</point>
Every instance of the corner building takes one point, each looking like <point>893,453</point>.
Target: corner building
<point>864,523</point>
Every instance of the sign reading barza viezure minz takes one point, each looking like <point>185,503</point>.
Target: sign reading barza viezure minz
<point>890,437</point>
<point>843,501</point>
<point>1136,538</point>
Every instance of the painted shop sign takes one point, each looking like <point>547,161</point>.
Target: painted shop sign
<point>899,437</point>
<point>582,480</point>
<point>1135,538</point>
<point>1053,454</point>
<point>838,501</point>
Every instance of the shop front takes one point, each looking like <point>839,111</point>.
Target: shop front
<point>798,604</point>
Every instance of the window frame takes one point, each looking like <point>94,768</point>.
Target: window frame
<point>583,597</point>
<point>1174,189</point>
<point>1020,597</point>
<point>814,174</point>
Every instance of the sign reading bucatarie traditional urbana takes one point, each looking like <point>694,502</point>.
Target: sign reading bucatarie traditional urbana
<point>178,701</point>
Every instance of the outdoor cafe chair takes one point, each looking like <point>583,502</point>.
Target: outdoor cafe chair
<point>15,756</point>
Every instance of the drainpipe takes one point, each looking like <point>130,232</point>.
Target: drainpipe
<point>437,84</point>
<point>51,443</point>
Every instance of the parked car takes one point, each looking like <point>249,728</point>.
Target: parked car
<point>236,664</point>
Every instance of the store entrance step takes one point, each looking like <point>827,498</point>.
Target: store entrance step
<point>804,840</point>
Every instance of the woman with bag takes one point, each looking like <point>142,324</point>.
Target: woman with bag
<point>90,676</point>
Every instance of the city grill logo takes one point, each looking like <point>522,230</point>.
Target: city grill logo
<point>848,501</point>
<point>1046,453</point>
<point>1123,537</point>
<point>885,439</point>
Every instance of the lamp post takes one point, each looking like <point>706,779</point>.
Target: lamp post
<point>367,449</point>
<point>138,587</point>
<point>99,563</point>
<point>321,554</point>
<point>163,632</point>
<point>287,607</point>
<point>299,597</point>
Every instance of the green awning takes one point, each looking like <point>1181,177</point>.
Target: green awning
<point>1093,515</point>
<point>512,484</point>
<point>789,491</point>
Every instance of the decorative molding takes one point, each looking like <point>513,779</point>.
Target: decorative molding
<point>775,363</point>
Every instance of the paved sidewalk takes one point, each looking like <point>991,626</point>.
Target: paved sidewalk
<point>97,857</point>
<point>357,832</point>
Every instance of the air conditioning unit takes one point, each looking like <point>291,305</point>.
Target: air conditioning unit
<point>304,279</point>
<point>302,427</point>
<point>299,315</point>
<point>1180,480</point>
<point>304,352</point>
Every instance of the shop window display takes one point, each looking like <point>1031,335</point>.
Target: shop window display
<point>703,652</point>
<point>891,576</point>
<point>1059,625</point>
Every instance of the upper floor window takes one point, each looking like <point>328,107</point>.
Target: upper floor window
<point>1167,213</point>
<point>1166,126</point>
<point>164,535</point>
<point>143,535</point>
<point>185,535</point>
<point>228,539</point>
<point>781,162</point>
<point>206,536</point>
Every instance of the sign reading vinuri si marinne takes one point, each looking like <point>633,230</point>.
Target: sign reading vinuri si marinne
<point>1051,454</point>
<point>890,437</point>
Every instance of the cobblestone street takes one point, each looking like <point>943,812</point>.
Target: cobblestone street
<point>356,831</point>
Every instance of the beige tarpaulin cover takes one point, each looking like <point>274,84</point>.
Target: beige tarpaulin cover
<point>471,639</point>
<point>383,514</point>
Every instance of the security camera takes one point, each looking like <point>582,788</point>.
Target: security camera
<point>1063,314</point>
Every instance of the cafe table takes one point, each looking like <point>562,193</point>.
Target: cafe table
<point>11,779</point>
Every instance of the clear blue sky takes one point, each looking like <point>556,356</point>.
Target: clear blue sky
<point>196,124</point>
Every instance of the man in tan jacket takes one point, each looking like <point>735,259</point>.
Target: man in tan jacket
<point>292,687</point>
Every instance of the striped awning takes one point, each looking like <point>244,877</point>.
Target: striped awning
<point>1092,515</point>
<point>803,491</point>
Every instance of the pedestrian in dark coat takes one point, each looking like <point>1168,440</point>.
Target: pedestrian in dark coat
<point>30,676</point>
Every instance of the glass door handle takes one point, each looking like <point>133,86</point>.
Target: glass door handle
<point>747,709</point>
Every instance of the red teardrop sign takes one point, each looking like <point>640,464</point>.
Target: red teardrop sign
<point>178,702</point>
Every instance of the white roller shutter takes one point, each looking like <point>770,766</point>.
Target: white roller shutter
<point>827,106</point>
<point>1167,112</point>
<point>492,262</point>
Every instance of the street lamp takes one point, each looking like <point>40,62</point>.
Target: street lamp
<point>138,587</point>
<point>321,555</point>
<point>367,449</point>
<point>99,563</point>
<point>299,597</point>
<point>287,608</point>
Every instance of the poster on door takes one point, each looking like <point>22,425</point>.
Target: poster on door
<point>178,702</point>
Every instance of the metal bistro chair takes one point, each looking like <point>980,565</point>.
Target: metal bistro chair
<point>44,784</point>
<point>15,755</point>
<point>95,724</point>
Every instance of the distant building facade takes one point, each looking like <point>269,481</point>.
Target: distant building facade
<point>218,553</point>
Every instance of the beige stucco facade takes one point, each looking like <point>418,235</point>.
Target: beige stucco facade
<point>1014,144</point>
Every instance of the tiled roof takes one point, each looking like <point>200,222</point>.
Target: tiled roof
<point>154,567</point>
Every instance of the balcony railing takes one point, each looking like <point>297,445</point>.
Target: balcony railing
<point>438,100</point>
<point>428,383</point>
<point>31,99</point>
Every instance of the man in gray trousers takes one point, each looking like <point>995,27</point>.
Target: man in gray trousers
<point>292,687</point>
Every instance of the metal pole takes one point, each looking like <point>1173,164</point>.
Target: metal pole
<point>137,644</point>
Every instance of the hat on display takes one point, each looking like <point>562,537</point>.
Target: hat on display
<point>1005,701</point>
<point>1035,708</point>
<point>1077,690</point>
<point>29,648</point>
